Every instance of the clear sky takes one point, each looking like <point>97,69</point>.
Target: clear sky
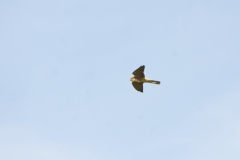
<point>65,92</point>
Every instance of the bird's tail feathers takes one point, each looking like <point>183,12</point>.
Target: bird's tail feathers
<point>153,81</point>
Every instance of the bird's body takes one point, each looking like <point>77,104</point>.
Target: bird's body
<point>133,79</point>
<point>139,79</point>
<point>144,80</point>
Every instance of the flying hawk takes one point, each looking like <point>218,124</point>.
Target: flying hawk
<point>139,79</point>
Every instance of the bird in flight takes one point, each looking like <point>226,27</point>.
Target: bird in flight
<point>139,79</point>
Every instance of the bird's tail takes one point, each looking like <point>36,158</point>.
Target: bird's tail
<point>153,81</point>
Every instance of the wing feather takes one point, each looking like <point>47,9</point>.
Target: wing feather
<point>138,86</point>
<point>138,73</point>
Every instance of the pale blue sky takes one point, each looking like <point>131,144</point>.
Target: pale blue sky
<point>65,92</point>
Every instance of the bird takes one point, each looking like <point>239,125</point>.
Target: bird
<point>139,79</point>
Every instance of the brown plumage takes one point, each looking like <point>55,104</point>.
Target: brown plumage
<point>139,79</point>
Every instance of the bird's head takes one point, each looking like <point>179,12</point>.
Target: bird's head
<point>131,79</point>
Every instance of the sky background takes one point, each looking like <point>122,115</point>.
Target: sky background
<point>65,92</point>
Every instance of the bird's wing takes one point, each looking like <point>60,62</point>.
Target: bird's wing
<point>138,73</point>
<point>138,86</point>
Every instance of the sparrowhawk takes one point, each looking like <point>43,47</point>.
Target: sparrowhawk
<point>139,79</point>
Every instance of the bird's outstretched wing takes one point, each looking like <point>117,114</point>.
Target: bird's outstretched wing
<point>138,86</point>
<point>138,73</point>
